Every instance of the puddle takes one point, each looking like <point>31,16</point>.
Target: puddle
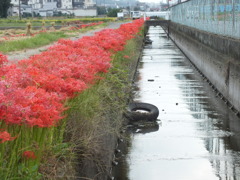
<point>198,137</point>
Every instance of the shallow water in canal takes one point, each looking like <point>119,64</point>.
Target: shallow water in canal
<point>197,137</point>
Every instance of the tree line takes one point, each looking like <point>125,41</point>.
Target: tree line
<point>4,6</point>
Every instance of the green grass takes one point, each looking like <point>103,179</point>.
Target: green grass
<point>33,42</point>
<point>96,114</point>
<point>41,39</point>
<point>57,21</point>
<point>92,27</point>
<point>23,24</point>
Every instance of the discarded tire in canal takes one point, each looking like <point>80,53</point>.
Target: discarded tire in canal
<point>142,111</point>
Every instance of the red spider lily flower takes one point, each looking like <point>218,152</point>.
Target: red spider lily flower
<point>84,25</point>
<point>34,90</point>
<point>126,56</point>
<point>5,136</point>
<point>3,59</point>
<point>29,155</point>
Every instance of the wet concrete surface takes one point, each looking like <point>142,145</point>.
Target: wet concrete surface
<point>197,138</point>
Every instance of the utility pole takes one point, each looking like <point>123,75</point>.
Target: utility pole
<point>105,6</point>
<point>97,6</point>
<point>129,9</point>
<point>19,6</point>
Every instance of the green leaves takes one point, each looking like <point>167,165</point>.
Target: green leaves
<point>4,6</point>
<point>28,173</point>
<point>34,91</point>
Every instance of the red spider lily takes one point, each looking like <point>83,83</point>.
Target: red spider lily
<point>3,59</point>
<point>85,25</point>
<point>29,155</point>
<point>5,136</point>
<point>31,106</point>
<point>18,35</point>
<point>34,90</point>
<point>11,37</point>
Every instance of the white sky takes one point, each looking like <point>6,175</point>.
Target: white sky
<point>156,1</point>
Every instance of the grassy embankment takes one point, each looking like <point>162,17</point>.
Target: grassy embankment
<point>95,118</point>
<point>59,21</point>
<point>92,124</point>
<point>44,38</point>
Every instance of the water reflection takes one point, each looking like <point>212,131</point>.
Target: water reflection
<point>143,127</point>
<point>199,138</point>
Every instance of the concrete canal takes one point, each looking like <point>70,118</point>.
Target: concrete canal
<point>197,137</point>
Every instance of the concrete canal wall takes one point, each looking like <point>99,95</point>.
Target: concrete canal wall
<point>217,57</point>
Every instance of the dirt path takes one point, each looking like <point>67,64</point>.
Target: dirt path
<point>19,55</point>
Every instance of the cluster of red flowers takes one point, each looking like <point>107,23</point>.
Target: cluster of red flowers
<point>29,155</point>
<point>14,36</point>
<point>6,38</point>
<point>80,26</point>
<point>34,90</point>
<point>5,136</point>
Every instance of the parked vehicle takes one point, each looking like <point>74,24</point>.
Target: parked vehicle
<point>135,14</point>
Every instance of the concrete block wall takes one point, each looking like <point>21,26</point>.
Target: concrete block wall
<point>216,56</point>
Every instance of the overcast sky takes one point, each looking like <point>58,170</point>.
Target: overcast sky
<point>156,1</point>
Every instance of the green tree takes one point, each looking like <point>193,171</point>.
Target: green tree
<point>113,12</point>
<point>101,10</point>
<point>4,6</point>
<point>136,9</point>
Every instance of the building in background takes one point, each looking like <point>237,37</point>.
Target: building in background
<point>82,7</point>
<point>53,7</point>
<point>35,4</point>
<point>77,3</point>
<point>89,4</point>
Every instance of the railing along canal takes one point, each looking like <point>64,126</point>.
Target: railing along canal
<point>216,16</point>
<point>197,136</point>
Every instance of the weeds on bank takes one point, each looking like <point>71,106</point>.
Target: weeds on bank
<point>58,21</point>
<point>35,92</point>
<point>32,42</point>
<point>97,112</point>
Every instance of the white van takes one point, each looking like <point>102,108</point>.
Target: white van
<point>135,14</point>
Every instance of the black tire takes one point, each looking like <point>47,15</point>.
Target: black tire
<point>150,113</point>
<point>148,41</point>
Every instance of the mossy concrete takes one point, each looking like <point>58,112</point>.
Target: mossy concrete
<point>216,56</point>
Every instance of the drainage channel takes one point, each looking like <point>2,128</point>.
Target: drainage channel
<point>197,136</point>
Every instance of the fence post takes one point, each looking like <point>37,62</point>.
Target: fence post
<point>233,16</point>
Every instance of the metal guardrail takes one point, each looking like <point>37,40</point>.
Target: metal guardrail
<point>157,22</point>
<point>216,16</point>
<point>163,23</point>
